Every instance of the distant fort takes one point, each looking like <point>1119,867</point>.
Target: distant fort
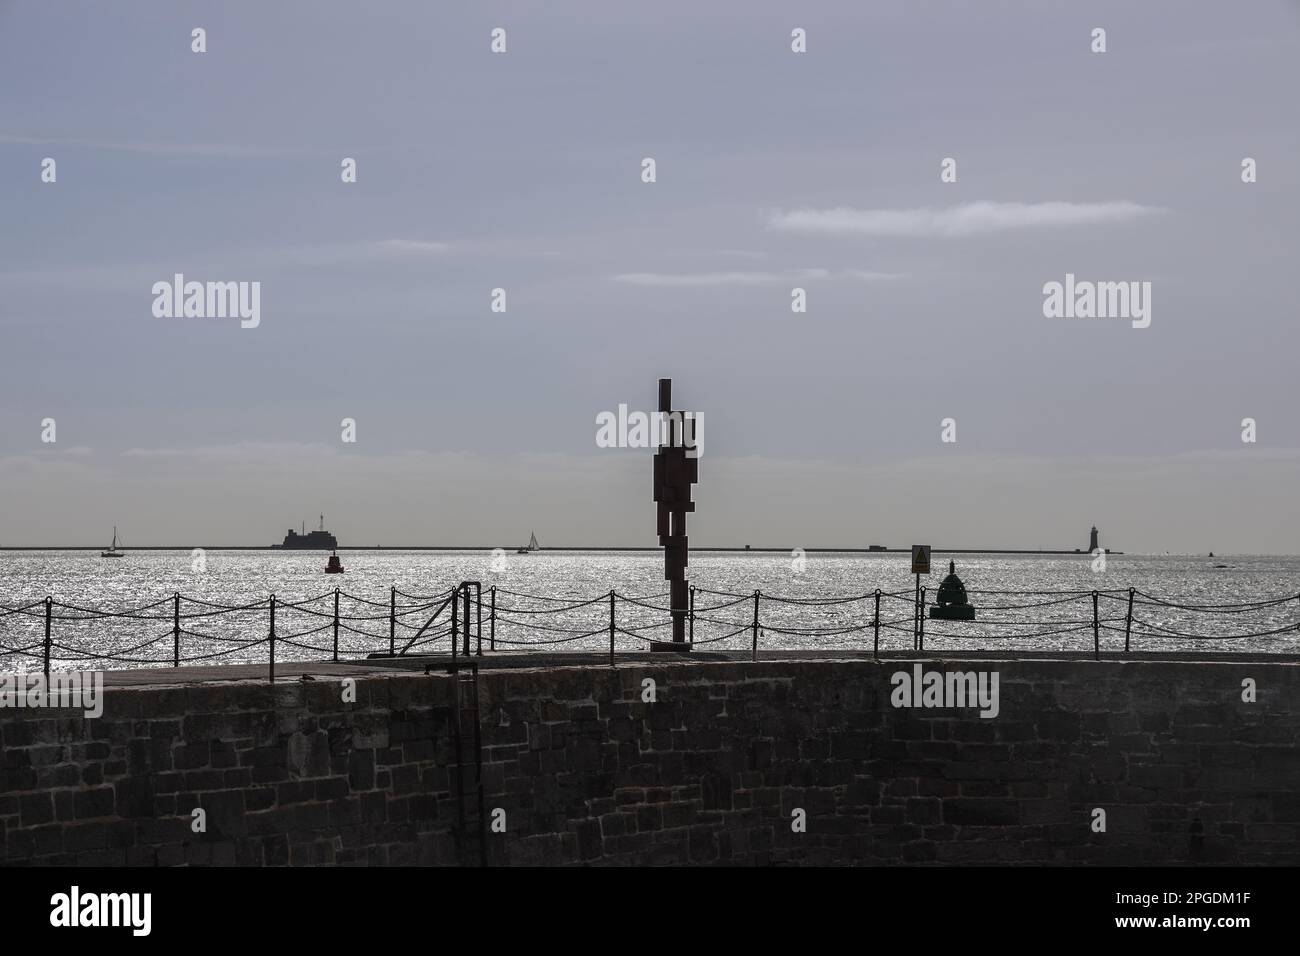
<point>320,539</point>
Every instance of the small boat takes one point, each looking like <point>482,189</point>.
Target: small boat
<point>532,545</point>
<point>112,551</point>
<point>335,566</point>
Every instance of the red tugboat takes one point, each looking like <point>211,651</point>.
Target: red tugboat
<point>334,566</point>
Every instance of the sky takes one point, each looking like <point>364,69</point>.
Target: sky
<point>774,170</point>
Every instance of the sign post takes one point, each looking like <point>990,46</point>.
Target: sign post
<point>920,566</point>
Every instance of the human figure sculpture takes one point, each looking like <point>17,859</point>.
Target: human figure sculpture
<point>674,473</point>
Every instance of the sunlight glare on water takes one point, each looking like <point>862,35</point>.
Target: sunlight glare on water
<point>86,582</point>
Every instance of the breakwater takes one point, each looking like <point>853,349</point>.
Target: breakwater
<point>801,761</point>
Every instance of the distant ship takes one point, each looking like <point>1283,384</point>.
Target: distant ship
<point>320,539</point>
<point>112,551</point>
<point>531,546</point>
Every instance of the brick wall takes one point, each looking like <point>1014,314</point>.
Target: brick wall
<point>712,772</point>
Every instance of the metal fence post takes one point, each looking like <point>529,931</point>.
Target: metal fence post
<point>478,618</point>
<point>916,610</point>
<point>392,621</point>
<point>336,625</point>
<point>1096,628</point>
<point>272,645</point>
<point>691,615</point>
<point>492,621</point>
<point>611,628</point>
<point>49,610</point>
<point>757,594</point>
<point>176,630</point>
<point>465,595</point>
<point>875,624</point>
<point>1128,620</point>
<point>920,628</point>
<point>455,622</point>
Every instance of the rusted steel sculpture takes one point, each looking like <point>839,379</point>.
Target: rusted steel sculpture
<point>675,471</point>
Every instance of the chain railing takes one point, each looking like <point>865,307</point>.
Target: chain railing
<point>207,632</point>
<point>338,626</point>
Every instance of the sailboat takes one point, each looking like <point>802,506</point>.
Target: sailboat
<point>532,545</point>
<point>112,551</point>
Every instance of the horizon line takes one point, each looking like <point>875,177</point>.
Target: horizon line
<point>742,549</point>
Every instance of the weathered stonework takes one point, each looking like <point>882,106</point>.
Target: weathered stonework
<point>711,773</point>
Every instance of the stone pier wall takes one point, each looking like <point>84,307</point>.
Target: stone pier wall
<point>719,769</point>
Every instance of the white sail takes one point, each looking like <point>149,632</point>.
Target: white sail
<point>532,543</point>
<point>112,551</point>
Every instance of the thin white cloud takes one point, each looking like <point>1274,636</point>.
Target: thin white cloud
<point>159,149</point>
<point>697,279</point>
<point>410,247</point>
<point>965,219</point>
<point>742,253</point>
<point>130,275</point>
<point>252,451</point>
<point>717,278</point>
<point>868,276</point>
<point>366,250</point>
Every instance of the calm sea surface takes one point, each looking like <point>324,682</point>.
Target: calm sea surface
<point>1019,602</point>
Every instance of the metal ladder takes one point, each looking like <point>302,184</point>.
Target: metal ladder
<point>471,817</point>
<point>466,727</point>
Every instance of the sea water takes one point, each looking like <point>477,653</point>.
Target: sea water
<point>558,600</point>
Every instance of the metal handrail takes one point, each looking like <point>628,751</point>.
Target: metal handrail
<point>441,607</point>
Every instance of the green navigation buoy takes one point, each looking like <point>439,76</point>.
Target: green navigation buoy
<point>951,603</point>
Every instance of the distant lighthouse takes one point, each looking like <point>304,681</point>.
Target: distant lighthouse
<point>1092,541</point>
